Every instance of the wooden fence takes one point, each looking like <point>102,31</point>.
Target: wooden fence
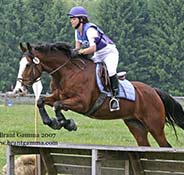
<point>76,159</point>
<point>30,99</point>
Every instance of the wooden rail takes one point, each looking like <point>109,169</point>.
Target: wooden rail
<point>75,159</point>
<point>30,99</point>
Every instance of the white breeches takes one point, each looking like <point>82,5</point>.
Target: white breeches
<point>110,56</point>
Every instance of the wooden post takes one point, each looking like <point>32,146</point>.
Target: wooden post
<point>10,161</point>
<point>96,164</point>
<point>127,167</point>
<point>37,161</point>
<point>6,100</point>
<point>48,161</point>
<point>135,164</point>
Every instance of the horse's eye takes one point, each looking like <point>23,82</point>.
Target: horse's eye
<point>28,65</point>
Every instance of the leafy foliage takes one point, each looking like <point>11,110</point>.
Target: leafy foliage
<point>148,34</point>
<point>149,38</point>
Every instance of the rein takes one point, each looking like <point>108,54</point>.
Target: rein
<point>64,64</point>
<point>55,70</point>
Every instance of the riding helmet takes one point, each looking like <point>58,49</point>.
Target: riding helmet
<point>78,11</point>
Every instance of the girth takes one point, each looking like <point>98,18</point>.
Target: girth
<point>103,74</point>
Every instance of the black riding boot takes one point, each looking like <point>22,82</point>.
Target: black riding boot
<point>114,103</point>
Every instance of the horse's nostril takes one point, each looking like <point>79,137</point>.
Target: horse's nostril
<point>20,90</point>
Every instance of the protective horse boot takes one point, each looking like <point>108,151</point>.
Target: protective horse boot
<point>114,102</point>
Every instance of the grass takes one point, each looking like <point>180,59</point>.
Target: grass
<point>19,119</point>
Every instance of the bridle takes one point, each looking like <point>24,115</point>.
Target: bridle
<point>35,61</point>
<point>29,82</point>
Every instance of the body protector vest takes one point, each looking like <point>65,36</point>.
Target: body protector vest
<point>101,41</point>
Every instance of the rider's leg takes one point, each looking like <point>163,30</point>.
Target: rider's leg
<point>111,62</point>
<point>114,85</point>
<point>114,103</point>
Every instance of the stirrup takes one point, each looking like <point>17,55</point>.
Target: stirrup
<point>114,100</point>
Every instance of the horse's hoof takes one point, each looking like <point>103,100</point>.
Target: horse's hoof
<point>70,125</point>
<point>55,124</point>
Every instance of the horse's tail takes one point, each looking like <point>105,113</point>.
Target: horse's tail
<point>174,111</point>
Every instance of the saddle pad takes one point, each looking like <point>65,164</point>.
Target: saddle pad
<point>126,89</point>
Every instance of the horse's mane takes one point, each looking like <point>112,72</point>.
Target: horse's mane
<point>53,47</point>
<point>49,48</point>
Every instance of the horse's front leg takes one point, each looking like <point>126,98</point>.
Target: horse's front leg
<point>60,120</point>
<point>53,123</point>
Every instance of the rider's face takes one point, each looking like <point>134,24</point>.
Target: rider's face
<point>74,21</point>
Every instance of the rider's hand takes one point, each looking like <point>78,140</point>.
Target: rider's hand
<point>81,51</point>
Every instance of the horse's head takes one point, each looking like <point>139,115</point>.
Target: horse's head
<point>29,69</point>
<point>49,57</point>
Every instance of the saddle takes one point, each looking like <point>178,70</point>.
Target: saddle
<point>103,83</point>
<point>103,74</point>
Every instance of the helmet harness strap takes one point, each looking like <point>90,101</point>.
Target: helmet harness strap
<point>80,21</point>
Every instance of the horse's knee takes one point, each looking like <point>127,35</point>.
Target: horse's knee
<point>40,102</point>
<point>57,106</point>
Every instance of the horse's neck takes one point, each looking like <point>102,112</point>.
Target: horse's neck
<point>53,62</point>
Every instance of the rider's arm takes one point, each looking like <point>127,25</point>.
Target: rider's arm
<point>91,34</point>
<point>88,50</point>
<point>77,45</point>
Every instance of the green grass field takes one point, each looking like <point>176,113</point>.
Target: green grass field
<point>18,120</point>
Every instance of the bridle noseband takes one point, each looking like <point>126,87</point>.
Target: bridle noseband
<point>29,82</point>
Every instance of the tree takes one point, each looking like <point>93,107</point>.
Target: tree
<point>166,45</point>
<point>11,32</point>
<point>149,38</point>
<point>29,21</point>
<point>126,23</point>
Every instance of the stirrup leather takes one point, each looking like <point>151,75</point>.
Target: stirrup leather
<point>114,100</point>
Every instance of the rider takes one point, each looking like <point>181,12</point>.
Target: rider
<point>89,39</point>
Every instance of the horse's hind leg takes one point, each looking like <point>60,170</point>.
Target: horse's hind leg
<point>156,128</point>
<point>68,124</point>
<point>139,131</point>
<point>159,136</point>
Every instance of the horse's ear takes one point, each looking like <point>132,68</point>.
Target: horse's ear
<point>29,47</point>
<point>22,47</point>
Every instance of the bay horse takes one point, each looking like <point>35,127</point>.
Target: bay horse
<point>74,87</point>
